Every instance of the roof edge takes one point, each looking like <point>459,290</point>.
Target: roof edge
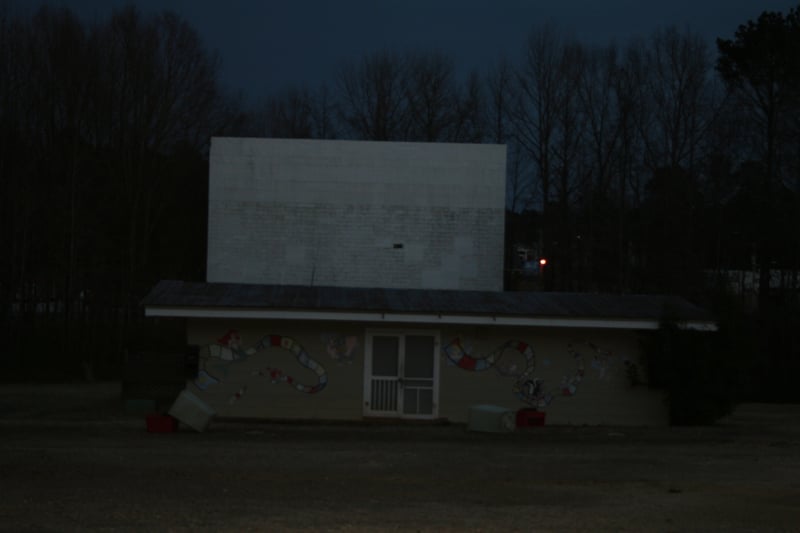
<point>418,318</point>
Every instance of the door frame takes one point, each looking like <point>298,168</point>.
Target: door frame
<point>401,334</point>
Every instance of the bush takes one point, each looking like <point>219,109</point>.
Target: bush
<point>700,372</point>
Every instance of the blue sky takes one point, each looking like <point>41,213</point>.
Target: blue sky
<point>266,46</point>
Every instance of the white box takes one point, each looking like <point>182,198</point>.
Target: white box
<point>491,418</point>
<point>192,411</point>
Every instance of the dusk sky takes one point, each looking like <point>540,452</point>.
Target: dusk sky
<point>267,46</point>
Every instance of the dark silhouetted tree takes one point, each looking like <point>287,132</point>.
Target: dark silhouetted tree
<point>431,94</point>
<point>289,115</point>
<point>372,98</point>
<point>105,130</point>
<point>761,67</point>
<point>680,95</point>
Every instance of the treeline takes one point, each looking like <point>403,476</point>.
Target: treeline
<point>649,167</point>
<point>103,131</point>
<point>662,165</point>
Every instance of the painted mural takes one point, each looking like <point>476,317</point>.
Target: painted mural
<point>516,359</point>
<point>513,359</point>
<point>526,386</point>
<point>341,348</point>
<point>216,359</point>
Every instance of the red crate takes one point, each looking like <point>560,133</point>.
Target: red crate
<point>529,418</point>
<point>161,424</point>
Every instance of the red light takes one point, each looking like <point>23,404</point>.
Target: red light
<point>542,262</point>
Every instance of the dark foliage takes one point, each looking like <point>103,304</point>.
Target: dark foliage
<point>104,130</point>
<point>699,372</point>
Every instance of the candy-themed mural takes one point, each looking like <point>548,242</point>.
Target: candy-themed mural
<point>219,359</point>
<point>516,360</point>
<point>341,348</point>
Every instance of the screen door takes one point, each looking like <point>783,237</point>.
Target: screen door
<point>401,374</point>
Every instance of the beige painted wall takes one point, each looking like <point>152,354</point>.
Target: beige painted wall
<point>604,394</point>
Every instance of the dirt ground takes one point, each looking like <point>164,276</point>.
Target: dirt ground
<point>72,460</point>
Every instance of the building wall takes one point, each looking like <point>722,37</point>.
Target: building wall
<point>584,375</point>
<point>265,384</point>
<point>359,214</point>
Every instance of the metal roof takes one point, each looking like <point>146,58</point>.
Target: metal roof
<point>188,295</point>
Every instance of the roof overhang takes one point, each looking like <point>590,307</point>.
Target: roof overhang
<point>417,318</point>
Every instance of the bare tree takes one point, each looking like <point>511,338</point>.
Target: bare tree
<point>156,89</point>
<point>103,130</point>
<point>569,119</point>
<point>548,125</point>
<point>500,82</point>
<point>324,114</point>
<point>470,125</point>
<point>60,62</point>
<point>431,97</point>
<point>599,99</point>
<point>373,99</point>
<point>289,115</point>
<point>17,190</point>
<point>607,98</point>
<point>534,112</point>
<point>677,92</point>
<point>634,115</point>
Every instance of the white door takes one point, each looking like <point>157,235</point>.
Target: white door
<point>401,374</point>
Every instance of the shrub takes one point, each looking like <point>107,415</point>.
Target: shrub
<point>698,371</point>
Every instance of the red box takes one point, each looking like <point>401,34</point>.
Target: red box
<point>529,418</point>
<point>161,424</point>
